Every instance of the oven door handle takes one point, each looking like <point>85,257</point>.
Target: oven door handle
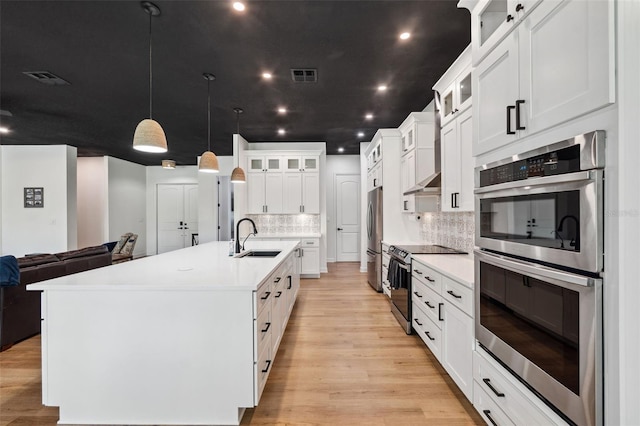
<point>555,276</point>
<point>405,267</point>
<point>570,178</point>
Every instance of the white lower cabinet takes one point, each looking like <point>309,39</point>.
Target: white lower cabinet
<point>443,318</point>
<point>501,399</point>
<point>310,257</point>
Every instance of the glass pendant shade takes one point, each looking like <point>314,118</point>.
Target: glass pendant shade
<point>149,137</point>
<point>208,163</point>
<point>237,176</point>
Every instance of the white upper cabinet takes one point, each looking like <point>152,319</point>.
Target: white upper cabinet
<point>556,65</point>
<point>492,20</point>
<point>283,183</point>
<point>454,88</point>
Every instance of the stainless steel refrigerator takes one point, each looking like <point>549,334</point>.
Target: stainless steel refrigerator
<point>374,238</point>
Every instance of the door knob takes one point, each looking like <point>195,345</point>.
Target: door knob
<point>339,229</point>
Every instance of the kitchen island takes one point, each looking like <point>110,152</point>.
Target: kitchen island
<point>185,337</point>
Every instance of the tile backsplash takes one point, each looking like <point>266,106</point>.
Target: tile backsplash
<point>450,229</point>
<point>283,224</point>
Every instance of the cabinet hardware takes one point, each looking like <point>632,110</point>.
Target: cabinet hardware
<point>268,324</point>
<point>278,294</point>
<point>417,322</point>
<point>429,304</point>
<point>277,280</point>
<point>452,202</point>
<point>266,209</point>
<point>268,365</point>
<point>518,126</point>
<point>300,209</point>
<point>289,285</point>
<point>487,414</point>
<point>339,229</point>
<point>455,199</point>
<point>510,18</point>
<point>440,305</point>
<point>406,149</point>
<point>509,131</point>
<point>301,252</point>
<point>488,383</point>
<point>266,295</point>
<point>303,209</point>
<point>519,7</point>
<point>405,205</point>
<point>431,280</point>
<point>385,265</point>
<point>375,182</point>
<point>454,295</point>
<point>429,336</point>
<point>417,272</point>
<point>417,294</point>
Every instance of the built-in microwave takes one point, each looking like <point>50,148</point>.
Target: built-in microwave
<point>545,204</point>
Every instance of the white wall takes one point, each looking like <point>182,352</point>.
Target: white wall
<point>50,229</point>
<point>363,204</point>
<point>92,201</point>
<point>126,189</point>
<point>208,199</point>
<point>336,165</point>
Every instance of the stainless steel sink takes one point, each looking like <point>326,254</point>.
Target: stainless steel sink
<point>259,253</point>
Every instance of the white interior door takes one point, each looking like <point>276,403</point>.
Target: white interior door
<point>347,218</point>
<point>177,212</point>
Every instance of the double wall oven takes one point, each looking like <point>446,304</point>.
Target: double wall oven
<point>539,233</point>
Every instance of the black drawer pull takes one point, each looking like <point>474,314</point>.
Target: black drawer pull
<point>431,280</point>
<point>266,329</point>
<point>509,18</point>
<point>289,285</point>
<point>488,383</point>
<point>278,294</point>
<point>277,280</point>
<point>454,295</point>
<point>509,108</point>
<point>266,295</point>
<point>417,322</point>
<point>417,294</point>
<point>429,304</point>
<point>429,336</point>
<point>518,126</point>
<point>268,365</point>
<point>440,305</point>
<point>417,272</point>
<point>487,413</point>
<point>519,7</point>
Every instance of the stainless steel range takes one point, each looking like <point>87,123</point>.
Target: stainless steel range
<point>400,278</point>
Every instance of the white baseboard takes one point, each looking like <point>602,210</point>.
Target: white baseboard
<point>363,269</point>
<point>332,260</point>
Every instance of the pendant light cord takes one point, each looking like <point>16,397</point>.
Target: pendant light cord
<point>209,114</point>
<point>150,69</point>
<point>238,122</point>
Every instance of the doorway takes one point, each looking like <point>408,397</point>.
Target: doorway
<point>177,210</point>
<point>347,217</point>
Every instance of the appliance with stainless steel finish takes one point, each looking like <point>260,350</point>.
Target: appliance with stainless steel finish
<point>374,238</point>
<point>546,204</point>
<point>400,278</point>
<point>545,326</point>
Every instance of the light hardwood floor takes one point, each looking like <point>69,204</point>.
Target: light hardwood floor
<point>343,360</point>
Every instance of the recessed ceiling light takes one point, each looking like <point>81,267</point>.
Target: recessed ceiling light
<point>405,36</point>
<point>369,116</point>
<point>361,134</point>
<point>266,75</point>
<point>341,149</point>
<point>239,6</point>
<point>281,131</point>
<point>282,110</point>
<point>4,130</point>
<point>382,88</point>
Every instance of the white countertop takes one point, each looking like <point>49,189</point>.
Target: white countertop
<point>459,267</point>
<point>307,235</point>
<point>206,266</point>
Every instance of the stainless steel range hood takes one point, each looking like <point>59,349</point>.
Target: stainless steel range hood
<point>429,186</point>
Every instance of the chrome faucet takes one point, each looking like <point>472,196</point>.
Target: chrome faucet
<point>255,231</point>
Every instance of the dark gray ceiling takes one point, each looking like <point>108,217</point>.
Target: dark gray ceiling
<point>101,48</point>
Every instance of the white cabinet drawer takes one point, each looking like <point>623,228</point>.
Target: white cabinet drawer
<point>427,276</point>
<point>262,368</point>
<point>488,409</point>
<point>521,405</point>
<point>309,242</point>
<point>458,294</point>
<point>263,330</point>
<point>427,330</point>
<point>428,300</point>
<point>263,296</point>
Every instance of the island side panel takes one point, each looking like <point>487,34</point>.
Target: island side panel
<point>149,357</point>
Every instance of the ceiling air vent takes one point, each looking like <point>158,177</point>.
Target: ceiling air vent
<point>46,77</point>
<point>304,75</point>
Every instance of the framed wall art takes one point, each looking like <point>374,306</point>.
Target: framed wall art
<point>34,197</point>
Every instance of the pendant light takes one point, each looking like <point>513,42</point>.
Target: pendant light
<point>208,161</point>
<point>149,136</point>
<point>168,164</point>
<point>237,176</point>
